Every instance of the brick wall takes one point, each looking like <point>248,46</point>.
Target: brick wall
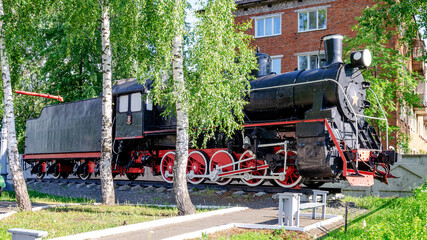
<point>340,19</point>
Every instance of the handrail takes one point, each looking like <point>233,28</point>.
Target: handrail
<point>385,117</point>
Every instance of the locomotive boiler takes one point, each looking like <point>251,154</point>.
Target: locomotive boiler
<point>305,126</point>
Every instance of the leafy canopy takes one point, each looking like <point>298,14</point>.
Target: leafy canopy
<point>55,45</point>
<point>217,63</point>
<point>388,29</point>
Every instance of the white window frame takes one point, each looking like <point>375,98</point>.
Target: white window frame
<point>272,16</point>
<point>149,101</point>
<point>276,57</point>
<point>135,102</point>
<point>308,54</point>
<point>123,103</point>
<point>313,9</point>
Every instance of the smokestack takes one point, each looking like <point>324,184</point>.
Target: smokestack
<point>333,48</point>
<point>264,65</point>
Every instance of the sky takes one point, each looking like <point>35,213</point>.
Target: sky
<point>195,5</point>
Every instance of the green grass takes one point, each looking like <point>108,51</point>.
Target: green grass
<point>389,218</point>
<point>253,236</point>
<point>37,197</point>
<point>244,234</point>
<point>62,221</point>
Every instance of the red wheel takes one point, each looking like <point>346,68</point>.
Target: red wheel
<point>196,165</point>
<point>292,177</point>
<point>247,177</point>
<point>166,166</point>
<point>222,158</point>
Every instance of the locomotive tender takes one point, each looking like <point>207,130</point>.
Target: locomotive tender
<point>303,126</point>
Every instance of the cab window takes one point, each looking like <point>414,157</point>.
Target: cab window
<point>135,102</point>
<point>123,103</point>
<point>130,102</point>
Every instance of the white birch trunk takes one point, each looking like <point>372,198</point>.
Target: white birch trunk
<point>15,166</point>
<point>107,184</point>
<point>182,198</point>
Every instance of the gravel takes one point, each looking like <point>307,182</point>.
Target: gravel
<point>165,196</point>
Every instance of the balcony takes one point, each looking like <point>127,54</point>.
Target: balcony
<point>418,51</point>
<point>421,109</point>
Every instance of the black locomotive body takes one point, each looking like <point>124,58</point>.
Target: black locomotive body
<point>302,126</point>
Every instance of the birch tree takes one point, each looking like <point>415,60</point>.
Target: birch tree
<point>205,87</point>
<point>13,156</point>
<point>107,184</point>
<point>182,197</point>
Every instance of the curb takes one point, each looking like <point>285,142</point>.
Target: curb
<point>174,206</point>
<point>35,209</point>
<point>8,214</point>
<point>147,225</point>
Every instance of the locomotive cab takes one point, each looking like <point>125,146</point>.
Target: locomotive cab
<point>132,114</point>
<point>135,112</point>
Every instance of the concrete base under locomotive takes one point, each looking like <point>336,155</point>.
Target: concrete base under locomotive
<point>305,127</point>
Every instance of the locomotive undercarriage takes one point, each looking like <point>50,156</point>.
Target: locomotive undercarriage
<point>82,168</point>
<point>314,155</point>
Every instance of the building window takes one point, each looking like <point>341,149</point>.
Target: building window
<point>276,64</point>
<point>311,61</point>
<point>311,19</point>
<point>270,25</point>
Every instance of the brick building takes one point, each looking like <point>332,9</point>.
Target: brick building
<point>290,32</point>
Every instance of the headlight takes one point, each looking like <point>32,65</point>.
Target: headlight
<point>361,58</point>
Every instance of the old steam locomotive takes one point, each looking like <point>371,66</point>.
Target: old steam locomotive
<point>303,126</point>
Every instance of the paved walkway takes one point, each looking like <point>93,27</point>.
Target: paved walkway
<point>261,216</point>
<point>266,216</point>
